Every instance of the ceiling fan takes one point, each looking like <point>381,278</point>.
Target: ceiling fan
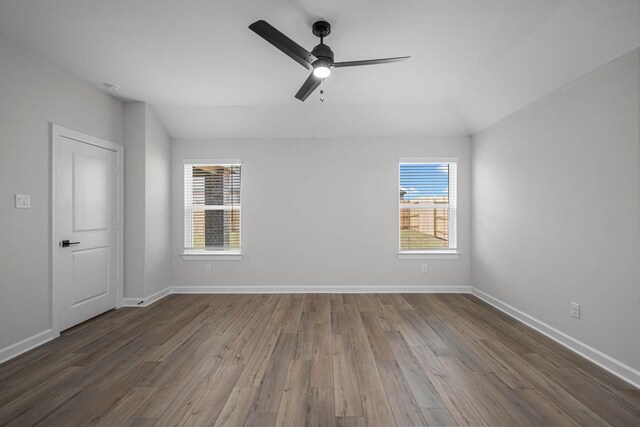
<point>319,60</point>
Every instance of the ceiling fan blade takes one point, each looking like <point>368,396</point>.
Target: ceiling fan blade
<point>308,87</point>
<point>370,61</point>
<point>284,43</point>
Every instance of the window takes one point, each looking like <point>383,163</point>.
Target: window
<point>212,207</point>
<point>427,206</point>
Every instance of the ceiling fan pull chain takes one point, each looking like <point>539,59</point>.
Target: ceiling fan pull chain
<point>322,90</point>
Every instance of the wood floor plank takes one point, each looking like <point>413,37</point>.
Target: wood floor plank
<point>345,380</point>
<point>461,408</point>
<point>376,336</point>
<point>517,409</point>
<point>605,391</point>
<point>460,349</point>
<point>271,387</point>
<point>32,376</point>
<point>310,359</point>
<point>386,323</point>
<point>292,320</point>
<point>546,407</point>
<point>613,412</point>
<point>97,402</point>
<point>374,398</point>
<point>126,407</point>
<point>293,410</point>
<point>172,377</point>
<point>404,407</point>
<point>216,391</point>
<point>20,402</point>
<point>245,342</point>
<point>438,417</point>
<point>355,328</point>
<point>548,385</point>
<point>311,302</point>
<point>17,386</point>
<point>140,422</point>
<point>400,301</point>
<point>507,331</point>
<point>431,338</point>
<point>304,336</point>
<point>283,304</point>
<point>409,333</point>
<point>350,422</point>
<point>183,331</point>
<point>632,395</point>
<point>321,410</point>
<point>503,370</point>
<point>27,416</point>
<point>321,359</point>
<point>236,320</point>
<point>110,368</point>
<point>338,320</point>
<point>458,404</point>
<point>261,419</point>
<point>190,394</point>
<point>236,410</point>
<point>257,361</point>
<point>365,303</point>
<point>492,413</point>
<point>429,361</point>
<point>421,387</point>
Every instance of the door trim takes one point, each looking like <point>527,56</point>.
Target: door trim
<point>57,132</point>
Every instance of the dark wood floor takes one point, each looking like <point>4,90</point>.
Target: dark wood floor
<point>292,360</point>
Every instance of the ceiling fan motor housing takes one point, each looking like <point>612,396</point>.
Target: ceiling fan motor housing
<point>322,51</point>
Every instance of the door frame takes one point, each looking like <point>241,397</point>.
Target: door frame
<point>57,132</point>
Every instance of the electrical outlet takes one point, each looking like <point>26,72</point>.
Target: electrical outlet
<point>207,269</point>
<point>575,310</point>
<point>23,201</point>
<point>425,269</point>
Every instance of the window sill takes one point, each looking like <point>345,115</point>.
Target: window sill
<point>212,256</point>
<point>443,254</point>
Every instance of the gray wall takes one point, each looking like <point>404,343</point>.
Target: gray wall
<point>134,199</point>
<point>157,206</point>
<point>34,93</point>
<point>147,267</point>
<point>320,212</point>
<point>556,209</point>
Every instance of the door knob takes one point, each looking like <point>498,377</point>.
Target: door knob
<point>66,243</point>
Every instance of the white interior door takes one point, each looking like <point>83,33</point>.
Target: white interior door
<point>88,215</point>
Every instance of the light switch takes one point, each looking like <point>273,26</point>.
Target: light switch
<point>23,201</point>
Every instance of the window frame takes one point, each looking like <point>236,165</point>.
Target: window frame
<point>221,254</point>
<point>439,253</point>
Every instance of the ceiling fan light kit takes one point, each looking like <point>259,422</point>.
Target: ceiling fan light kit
<point>320,60</point>
<point>321,69</point>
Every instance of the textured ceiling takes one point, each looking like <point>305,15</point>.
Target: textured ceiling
<point>208,76</point>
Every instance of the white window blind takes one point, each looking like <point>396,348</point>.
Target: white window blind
<point>212,205</point>
<point>427,204</point>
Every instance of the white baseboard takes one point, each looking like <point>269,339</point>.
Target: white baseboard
<point>144,302</point>
<point>423,289</point>
<point>617,368</point>
<point>27,344</point>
